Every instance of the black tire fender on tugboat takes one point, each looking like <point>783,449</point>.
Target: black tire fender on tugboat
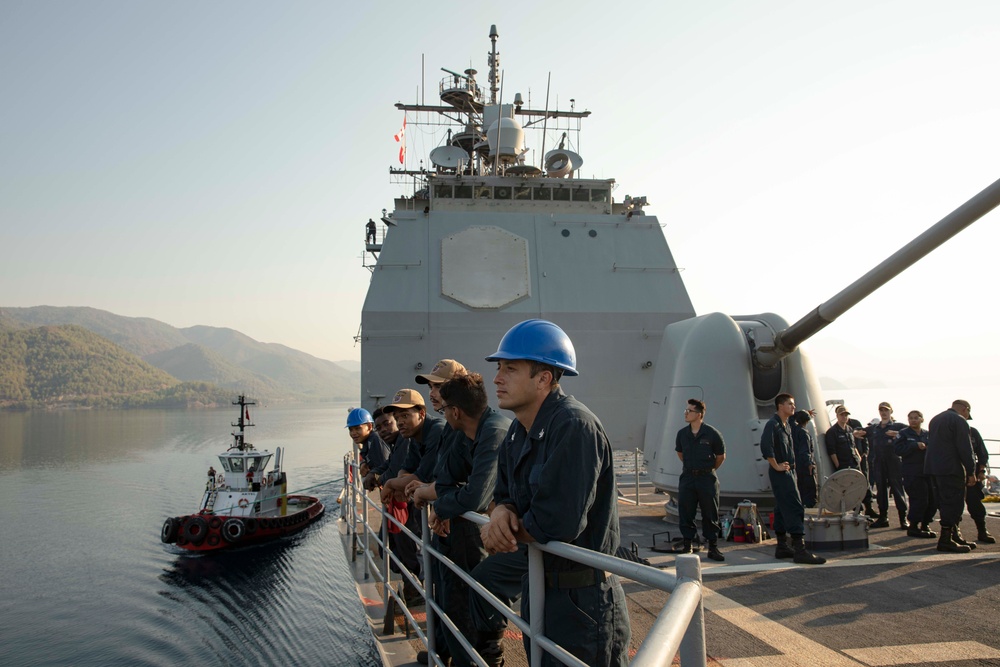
<point>232,530</point>
<point>214,523</point>
<point>195,529</point>
<point>251,526</point>
<point>213,540</point>
<point>168,534</point>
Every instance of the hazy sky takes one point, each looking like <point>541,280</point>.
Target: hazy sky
<point>214,163</point>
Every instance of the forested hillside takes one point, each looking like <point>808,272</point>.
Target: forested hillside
<point>223,357</point>
<point>71,366</point>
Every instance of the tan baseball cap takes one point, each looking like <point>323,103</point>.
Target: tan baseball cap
<point>405,398</point>
<point>443,371</point>
<point>842,408</point>
<point>885,404</point>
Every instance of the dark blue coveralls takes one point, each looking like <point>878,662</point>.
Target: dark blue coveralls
<point>974,494</point>
<point>840,442</point>
<point>949,459</point>
<point>466,479</point>
<point>863,448</point>
<point>699,485</point>
<point>559,479</point>
<point>886,469</point>
<point>805,461</point>
<point>374,452</point>
<point>919,487</point>
<point>400,544</point>
<point>776,442</point>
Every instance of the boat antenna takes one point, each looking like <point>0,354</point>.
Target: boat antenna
<point>494,64</point>
<point>496,158</point>
<point>242,424</point>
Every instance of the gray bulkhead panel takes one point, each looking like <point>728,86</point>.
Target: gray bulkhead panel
<point>611,284</point>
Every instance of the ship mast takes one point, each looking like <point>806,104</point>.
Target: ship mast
<point>242,424</point>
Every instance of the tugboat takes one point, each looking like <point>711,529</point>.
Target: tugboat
<point>242,505</point>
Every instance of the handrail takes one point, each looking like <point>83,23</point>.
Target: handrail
<point>679,627</point>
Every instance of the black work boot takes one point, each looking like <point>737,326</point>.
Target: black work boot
<point>684,548</point>
<point>870,511</point>
<point>803,557</point>
<point>916,531</point>
<point>945,543</point>
<point>925,527</point>
<point>713,551</point>
<point>902,520</point>
<point>984,535</point>
<point>881,522</point>
<point>956,535</point>
<point>783,550</point>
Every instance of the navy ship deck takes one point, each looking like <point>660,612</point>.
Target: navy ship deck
<point>899,602</point>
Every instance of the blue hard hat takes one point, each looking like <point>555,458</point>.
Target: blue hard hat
<point>538,340</point>
<point>358,416</point>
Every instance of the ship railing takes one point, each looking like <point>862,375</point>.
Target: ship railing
<point>679,628</point>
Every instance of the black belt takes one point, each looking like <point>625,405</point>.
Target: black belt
<point>702,471</point>
<point>575,578</point>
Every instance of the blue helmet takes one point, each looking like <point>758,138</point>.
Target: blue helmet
<point>358,416</point>
<point>538,340</point>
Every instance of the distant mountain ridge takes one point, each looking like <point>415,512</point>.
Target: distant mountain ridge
<point>224,357</point>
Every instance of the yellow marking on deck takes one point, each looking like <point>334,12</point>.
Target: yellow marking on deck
<point>884,656</point>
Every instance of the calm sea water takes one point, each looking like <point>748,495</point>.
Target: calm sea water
<point>86,580</point>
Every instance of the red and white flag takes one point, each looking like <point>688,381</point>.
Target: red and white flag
<point>401,140</point>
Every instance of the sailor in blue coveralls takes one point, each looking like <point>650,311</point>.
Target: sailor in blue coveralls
<point>949,459</point>
<point>974,494</point>
<point>911,446</point>
<point>466,478</point>
<point>701,448</point>
<point>777,447</point>
<point>885,467</point>
<point>555,481</point>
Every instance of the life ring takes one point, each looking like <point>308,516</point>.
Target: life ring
<point>168,534</point>
<point>195,529</point>
<point>232,530</point>
<point>244,503</point>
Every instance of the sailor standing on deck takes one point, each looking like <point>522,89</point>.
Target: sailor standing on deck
<point>949,459</point>
<point>701,449</point>
<point>974,494</point>
<point>777,448</point>
<point>805,458</point>
<point>372,451</point>
<point>886,470</point>
<point>911,447</point>
<point>555,481</point>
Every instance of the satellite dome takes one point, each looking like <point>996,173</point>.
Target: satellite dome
<point>506,138</point>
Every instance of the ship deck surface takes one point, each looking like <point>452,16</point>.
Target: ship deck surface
<point>899,602</point>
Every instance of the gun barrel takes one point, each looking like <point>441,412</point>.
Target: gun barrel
<point>966,214</point>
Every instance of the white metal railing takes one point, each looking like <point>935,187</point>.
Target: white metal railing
<point>679,627</point>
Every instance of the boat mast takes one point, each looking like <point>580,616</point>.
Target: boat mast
<point>242,423</point>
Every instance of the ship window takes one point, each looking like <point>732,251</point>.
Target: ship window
<point>484,192</point>
<point>502,193</point>
<point>581,194</point>
<point>599,196</point>
<point>225,465</point>
<point>560,194</point>
<point>237,465</point>
<point>522,192</point>
<point>442,191</point>
<point>463,192</point>
<point>543,193</point>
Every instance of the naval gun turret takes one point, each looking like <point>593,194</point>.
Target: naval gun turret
<point>738,365</point>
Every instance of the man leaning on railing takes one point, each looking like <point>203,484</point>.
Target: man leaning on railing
<point>555,482</point>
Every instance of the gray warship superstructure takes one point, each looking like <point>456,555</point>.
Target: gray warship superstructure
<point>488,240</point>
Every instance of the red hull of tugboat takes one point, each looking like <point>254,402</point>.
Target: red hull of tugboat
<point>207,531</point>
